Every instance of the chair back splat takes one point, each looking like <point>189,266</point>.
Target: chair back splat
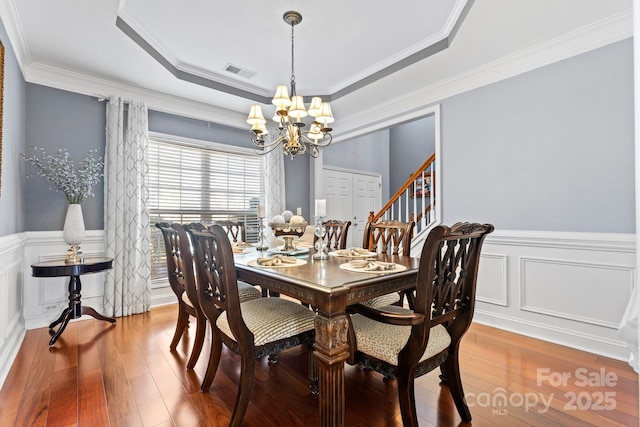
<point>235,231</point>
<point>405,344</point>
<point>389,237</point>
<point>336,233</point>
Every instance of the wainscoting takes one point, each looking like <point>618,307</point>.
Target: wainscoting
<point>12,327</point>
<point>566,288</point>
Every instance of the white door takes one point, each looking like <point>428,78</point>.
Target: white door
<point>351,196</point>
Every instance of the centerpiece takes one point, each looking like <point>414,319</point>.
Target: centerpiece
<point>75,184</point>
<point>288,226</point>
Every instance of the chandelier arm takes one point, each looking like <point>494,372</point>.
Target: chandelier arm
<point>323,142</point>
<point>264,144</point>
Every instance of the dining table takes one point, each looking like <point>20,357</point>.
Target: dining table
<point>329,289</point>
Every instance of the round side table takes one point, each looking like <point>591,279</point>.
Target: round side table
<point>59,268</point>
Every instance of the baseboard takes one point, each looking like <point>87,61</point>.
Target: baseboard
<point>615,349</point>
<point>10,348</point>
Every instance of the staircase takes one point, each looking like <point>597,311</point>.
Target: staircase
<point>415,201</point>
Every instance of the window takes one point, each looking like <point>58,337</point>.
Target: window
<point>193,181</point>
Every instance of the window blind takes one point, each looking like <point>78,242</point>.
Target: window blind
<point>191,183</point>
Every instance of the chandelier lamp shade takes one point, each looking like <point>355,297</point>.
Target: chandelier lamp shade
<point>290,112</point>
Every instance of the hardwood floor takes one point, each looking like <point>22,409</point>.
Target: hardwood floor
<point>125,375</point>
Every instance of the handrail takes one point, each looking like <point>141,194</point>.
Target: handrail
<point>403,189</point>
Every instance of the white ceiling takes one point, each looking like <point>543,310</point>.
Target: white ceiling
<point>141,47</point>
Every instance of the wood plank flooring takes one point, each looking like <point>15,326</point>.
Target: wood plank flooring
<point>125,375</point>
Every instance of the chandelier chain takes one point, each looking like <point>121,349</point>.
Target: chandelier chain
<point>293,76</point>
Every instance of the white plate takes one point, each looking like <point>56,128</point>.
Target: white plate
<point>239,251</point>
<point>349,267</point>
<point>281,251</point>
<point>359,256</point>
<point>254,263</point>
<point>243,245</point>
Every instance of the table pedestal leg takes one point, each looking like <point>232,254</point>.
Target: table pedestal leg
<point>331,351</point>
<point>67,314</point>
<point>74,311</point>
<point>91,312</point>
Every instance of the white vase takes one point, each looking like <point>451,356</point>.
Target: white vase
<point>73,231</point>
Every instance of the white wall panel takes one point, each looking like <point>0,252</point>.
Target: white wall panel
<point>593,293</point>
<point>12,328</point>
<point>492,279</point>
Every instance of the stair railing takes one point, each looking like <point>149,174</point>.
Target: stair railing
<point>415,200</point>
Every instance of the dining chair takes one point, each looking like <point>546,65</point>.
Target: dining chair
<point>404,344</point>
<point>235,230</point>
<point>336,232</point>
<point>181,277</point>
<point>252,329</point>
<point>393,238</point>
<point>182,280</point>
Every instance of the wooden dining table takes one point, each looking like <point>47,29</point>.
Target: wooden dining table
<point>329,289</point>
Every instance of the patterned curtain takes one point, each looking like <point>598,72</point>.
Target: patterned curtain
<point>126,215</point>
<point>274,187</point>
<point>275,200</point>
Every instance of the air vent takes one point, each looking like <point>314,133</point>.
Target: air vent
<point>234,69</point>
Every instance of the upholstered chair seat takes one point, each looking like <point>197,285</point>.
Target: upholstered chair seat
<point>271,320</point>
<point>383,300</point>
<point>247,292</point>
<point>383,341</point>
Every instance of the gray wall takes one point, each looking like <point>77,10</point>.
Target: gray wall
<point>411,145</point>
<point>369,153</point>
<point>551,149</point>
<point>13,142</point>
<point>60,119</point>
<point>198,129</point>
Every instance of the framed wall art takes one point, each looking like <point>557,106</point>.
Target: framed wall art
<point>422,185</point>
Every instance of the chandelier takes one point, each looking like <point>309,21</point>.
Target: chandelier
<point>289,114</point>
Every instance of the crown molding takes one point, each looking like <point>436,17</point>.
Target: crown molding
<point>13,27</point>
<point>101,88</point>
<point>581,40</point>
